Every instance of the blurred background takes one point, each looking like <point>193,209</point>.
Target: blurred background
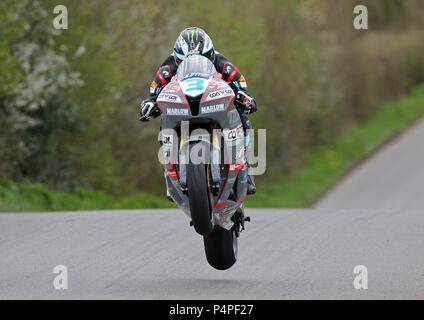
<point>69,99</point>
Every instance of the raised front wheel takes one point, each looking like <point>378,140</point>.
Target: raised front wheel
<point>198,198</point>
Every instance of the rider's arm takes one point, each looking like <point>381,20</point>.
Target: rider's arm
<point>163,76</point>
<point>236,81</point>
<point>230,72</point>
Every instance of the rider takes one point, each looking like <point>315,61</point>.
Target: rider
<point>195,39</point>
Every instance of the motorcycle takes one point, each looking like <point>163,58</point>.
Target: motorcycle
<point>203,147</point>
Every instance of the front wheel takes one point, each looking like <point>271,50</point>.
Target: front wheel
<point>198,197</point>
<point>221,248</point>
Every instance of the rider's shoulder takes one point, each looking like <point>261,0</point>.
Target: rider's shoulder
<point>220,60</point>
<point>169,60</point>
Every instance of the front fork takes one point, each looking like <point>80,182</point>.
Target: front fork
<point>214,170</point>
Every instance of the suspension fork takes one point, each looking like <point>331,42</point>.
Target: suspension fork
<point>183,153</point>
<point>215,159</point>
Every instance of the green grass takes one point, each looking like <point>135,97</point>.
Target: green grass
<point>36,197</point>
<point>325,166</point>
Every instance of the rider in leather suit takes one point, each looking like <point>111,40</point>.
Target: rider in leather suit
<point>195,39</point>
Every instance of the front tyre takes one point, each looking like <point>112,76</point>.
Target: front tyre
<point>221,248</point>
<point>198,197</point>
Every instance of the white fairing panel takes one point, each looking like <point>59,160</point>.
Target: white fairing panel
<point>194,74</point>
<point>194,85</point>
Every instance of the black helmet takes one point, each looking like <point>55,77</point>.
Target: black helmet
<point>193,40</point>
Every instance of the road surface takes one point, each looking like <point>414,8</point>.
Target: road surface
<point>154,254</point>
<point>374,218</point>
<point>392,179</point>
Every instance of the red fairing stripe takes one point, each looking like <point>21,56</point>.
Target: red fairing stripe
<point>225,183</point>
<point>161,110</point>
<point>162,79</point>
<point>177,103</point>
<point>242,198</point>
<point>236,166</point>
<point>229,105</point>
<point>221,205</point>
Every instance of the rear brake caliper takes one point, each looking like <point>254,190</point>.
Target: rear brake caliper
<point>239,218</point>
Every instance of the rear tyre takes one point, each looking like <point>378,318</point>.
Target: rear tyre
<point>199,198</point>
<point>221,248</point>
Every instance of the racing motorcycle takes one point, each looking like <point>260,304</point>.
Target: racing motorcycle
<point>203,148</point>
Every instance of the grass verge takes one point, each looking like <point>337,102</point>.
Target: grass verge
<point>323,168</point>
<point>36,197</point>
<point>327,165</point>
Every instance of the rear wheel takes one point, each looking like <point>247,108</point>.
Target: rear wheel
<point>221,248</point>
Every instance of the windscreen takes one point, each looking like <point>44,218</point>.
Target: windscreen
<point>195,64</point>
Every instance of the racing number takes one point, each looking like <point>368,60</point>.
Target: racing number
<point>195,84</point>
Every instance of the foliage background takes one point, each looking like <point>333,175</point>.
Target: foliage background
<point>69,99</point>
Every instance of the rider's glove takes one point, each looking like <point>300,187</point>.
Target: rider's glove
<point>245,101</point>
<point>148,110</point>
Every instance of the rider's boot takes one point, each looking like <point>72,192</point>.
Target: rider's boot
<point>251,186</point>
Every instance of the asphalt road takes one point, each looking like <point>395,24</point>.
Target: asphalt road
<point>283,254</point>
<point>154,254</point>
<point>392,179</point>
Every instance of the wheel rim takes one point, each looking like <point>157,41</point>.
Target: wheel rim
<point>235,245</point>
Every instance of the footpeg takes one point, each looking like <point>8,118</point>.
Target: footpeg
<point>247,219</point>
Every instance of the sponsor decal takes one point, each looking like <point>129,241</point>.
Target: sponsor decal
<point>219,94</point>
<point>213,108</point>
<point>153,87</point>
<point>236,166</point>
<point>172,173</point>
<point>171,98</point>
<point>167,139</point>
<point>177,111</point>
<point>240,153</point>
<point>234,134</point>
<point>226,223</point>
<point>231,76</point>
<point>195,75</point>
<point>161,78</point>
